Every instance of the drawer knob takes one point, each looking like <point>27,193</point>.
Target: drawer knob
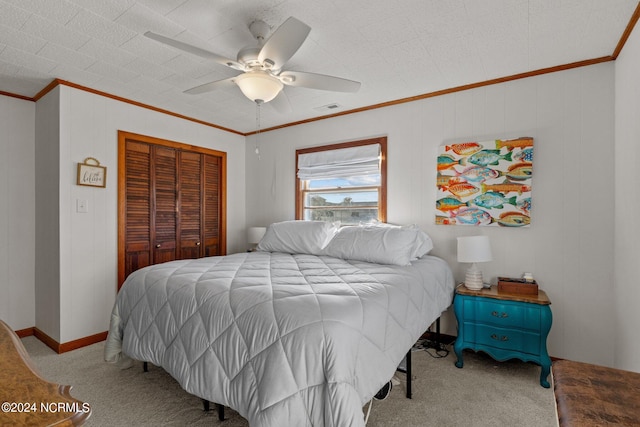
<point>498,338</point>
<point>501,315</point>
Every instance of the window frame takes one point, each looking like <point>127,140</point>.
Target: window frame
<point>382,194</point>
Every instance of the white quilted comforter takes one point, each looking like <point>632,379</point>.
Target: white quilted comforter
<point>285,340</point>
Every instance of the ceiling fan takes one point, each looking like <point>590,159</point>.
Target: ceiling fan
<point>262,78</point>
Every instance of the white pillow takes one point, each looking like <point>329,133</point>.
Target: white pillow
<point>422,244</point>
<point>381,245</point>
<point>297,237</point>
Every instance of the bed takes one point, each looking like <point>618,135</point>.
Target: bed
<point>300,336</point>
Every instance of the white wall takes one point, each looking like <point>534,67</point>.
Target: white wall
<point>47,227</point>
<point>88,126</point>
<point>569,246</point>
<point>627,229</point>
<point>17,212</point>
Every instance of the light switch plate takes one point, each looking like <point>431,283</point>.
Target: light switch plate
<point>82,205</point>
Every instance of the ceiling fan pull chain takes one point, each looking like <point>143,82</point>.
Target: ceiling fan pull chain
<point>258,103</point>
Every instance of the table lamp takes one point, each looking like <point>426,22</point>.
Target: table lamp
<point>474,249</point>
<point>254,235</point>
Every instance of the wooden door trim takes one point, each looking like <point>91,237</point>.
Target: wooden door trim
<point>123,136</point>
<point>203,163</point>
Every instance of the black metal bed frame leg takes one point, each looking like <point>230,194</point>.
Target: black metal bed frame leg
<point>219,407</point>
<point>205,402</point>
<point>408,374</point>
<point>408,358</point>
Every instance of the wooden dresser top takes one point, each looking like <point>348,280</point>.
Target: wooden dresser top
<point>540,298</point>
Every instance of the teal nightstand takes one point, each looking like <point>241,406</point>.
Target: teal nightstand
<point>505,326</point>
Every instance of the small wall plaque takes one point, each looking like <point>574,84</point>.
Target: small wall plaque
<point>91,174</point>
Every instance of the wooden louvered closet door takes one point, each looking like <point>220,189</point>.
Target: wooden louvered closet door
<point>137,204</point>
<point>171,203</point>
<point>163,204</point>
<point>212,175</point>
<point>199,205</point>
<point>190,205</point>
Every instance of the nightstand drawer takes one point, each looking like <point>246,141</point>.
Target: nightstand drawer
<point>504,314</point>
<point>503,338</point>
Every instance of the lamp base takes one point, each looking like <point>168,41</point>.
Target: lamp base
<point>473,279</point>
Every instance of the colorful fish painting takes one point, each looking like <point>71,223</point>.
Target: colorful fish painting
<point>446,161</point>
<point>445,220</point>
<point>506,186</point>
<point>520,171</point>
<point>464,148</point>
<point>488,157</point>
<point>513,219</point>
<point>462,189</point>
<point>514,143</point>
<point>447,180</point>
<point>479,174</point>
<point>492,199</point>
<point>485,183</point>
<point>472,216</point>
<point>524,205</point>
<point>450,204</point>
<point>524,155</point>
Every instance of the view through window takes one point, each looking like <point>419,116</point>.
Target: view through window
<point>342,182</point>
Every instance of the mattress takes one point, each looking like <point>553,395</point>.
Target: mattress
<point>285,340</point>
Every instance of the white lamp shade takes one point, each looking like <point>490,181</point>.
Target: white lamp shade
<point>474,249</point>
<point>259,86</point>
<point>255,234</point>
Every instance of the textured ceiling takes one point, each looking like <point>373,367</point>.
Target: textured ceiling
<point>397,49</point>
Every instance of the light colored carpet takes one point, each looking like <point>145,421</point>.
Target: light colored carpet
<point>483,393</point>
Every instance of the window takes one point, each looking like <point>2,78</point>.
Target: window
<point>342,182</point>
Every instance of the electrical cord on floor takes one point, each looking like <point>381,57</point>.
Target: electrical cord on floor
<point>437,353</point>
<point>366,419</point>
<point>432,348</point>
<point>382,394</point>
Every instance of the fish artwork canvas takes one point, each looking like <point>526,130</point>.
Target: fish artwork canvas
<point>485,183</point>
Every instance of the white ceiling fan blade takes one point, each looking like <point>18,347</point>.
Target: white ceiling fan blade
<point>281,103</point>
<point>284,43</point>
<point>195,50</point>
<point>318,81</point>
<point>208,87</point>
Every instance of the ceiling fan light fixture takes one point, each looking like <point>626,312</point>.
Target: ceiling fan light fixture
<point>262,65</point>
<point>259,86</point>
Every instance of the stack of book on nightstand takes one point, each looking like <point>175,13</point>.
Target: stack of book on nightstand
<point>510,285</point>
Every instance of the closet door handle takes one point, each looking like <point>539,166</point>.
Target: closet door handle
<point>197,243</point>
<point>158,245</point>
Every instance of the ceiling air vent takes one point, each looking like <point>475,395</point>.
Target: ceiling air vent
<point>328,107</point>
